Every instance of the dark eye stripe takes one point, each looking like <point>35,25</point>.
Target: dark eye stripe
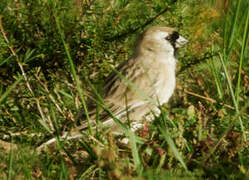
<point>174,36</point>
<point>172,39</point>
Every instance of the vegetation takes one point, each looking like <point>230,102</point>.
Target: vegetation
<point>53,52</point>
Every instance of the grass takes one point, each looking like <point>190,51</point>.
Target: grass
<point>54,54</point>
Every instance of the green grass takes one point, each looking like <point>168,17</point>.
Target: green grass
<point>54,53</point>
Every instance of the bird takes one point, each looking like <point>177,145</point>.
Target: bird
<point>139,85</point>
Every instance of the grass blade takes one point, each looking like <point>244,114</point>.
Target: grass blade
<point>244,42</point>
<point>135,153</point>
<point>10,162</point>
<point>173,147</point>
<point>76,78</point>
<point>233,96</point>
<point>233,28</point>
<point>10,88</point>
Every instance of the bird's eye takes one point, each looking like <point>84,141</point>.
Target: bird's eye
<point>173,37</point>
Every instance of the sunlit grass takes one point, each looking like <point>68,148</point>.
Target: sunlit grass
<point>66,49</point>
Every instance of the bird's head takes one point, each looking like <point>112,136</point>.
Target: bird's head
<point>159,40</point>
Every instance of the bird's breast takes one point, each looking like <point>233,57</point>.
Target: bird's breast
<point>165,83</point>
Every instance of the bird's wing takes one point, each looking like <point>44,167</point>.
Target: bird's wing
<point>112,80</point>
<point>119,98</point>
<point>137,82</point>
<point>114,108</point>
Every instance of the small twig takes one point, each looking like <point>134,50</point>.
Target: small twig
<point>97,141</point>
<point>131,31</point>
<point>208,99</point>
<point>48,128</point>
<point>196,61</point>
<point>217,145</point>
<point>22,70</point>
<point>50,96</point>
<point>17,59</point>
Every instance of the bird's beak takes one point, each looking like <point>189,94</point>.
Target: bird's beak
<point>181,41</point>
